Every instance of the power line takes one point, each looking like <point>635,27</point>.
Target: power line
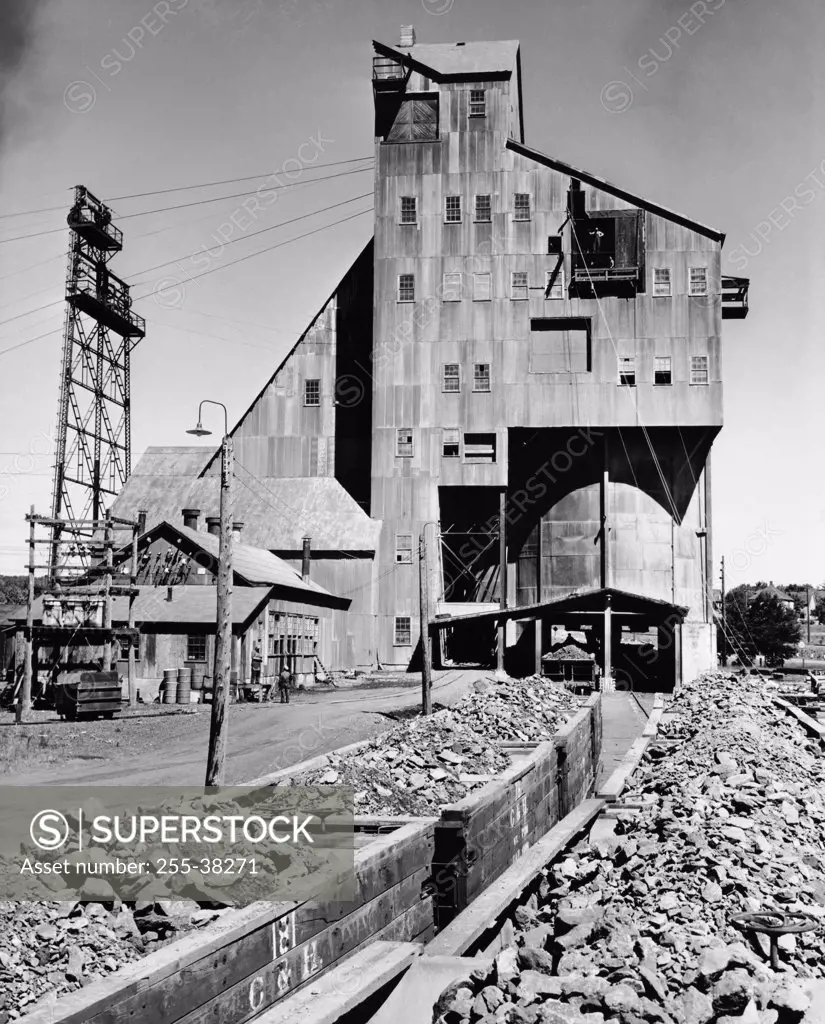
<point>197,202</point>
<point>270,248</point>
<point>263,231</point>
<point>212,270</point>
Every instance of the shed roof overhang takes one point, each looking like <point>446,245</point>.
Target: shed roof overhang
<point>622,604</point>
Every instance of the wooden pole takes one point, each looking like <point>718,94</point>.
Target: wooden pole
<point>502,581</point>
<point>538,635</point>
<point>808,606</point>
<point>216,757</point>
<point>132,678</point>
<point>608,645</point>
<point>426,644</point>
<point>24,701</point>
<point>107,596</point>
<point>724,618</point>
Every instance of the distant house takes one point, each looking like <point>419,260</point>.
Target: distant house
<point>784,598</point>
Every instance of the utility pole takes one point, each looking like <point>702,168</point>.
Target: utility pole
<point>426,648</point>
<point>808,606</point>
<point>24,701</point>
<point>132,640</point>
<point>216,756</point>
<point>724,617</point>
<point>107,595</point>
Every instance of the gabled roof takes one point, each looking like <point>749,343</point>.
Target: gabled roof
<point>256,566</point>
<point>772,591</point>
<point>614,190</point>
<point>276,512</point>
<point>443,61</point>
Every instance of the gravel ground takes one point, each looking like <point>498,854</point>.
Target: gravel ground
<point>636,926</point>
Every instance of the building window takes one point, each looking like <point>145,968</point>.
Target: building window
<point>403,631</point>
<point>627,371</point>
<point>312,391</point>
<point>404,443</point>
<point>554,245</point>
<point>409,210</point>
<point>662,373</point>
<point>698,284</point>
<point>403,548</point>
<point>521,206</point>
<point>479,447</point>
<point>554,283</point>
<point>450,443</point>
<point>482,287</point>
<point>451,287</point>
<point>451,378</point>
<point>478,103</point>
<point>518,284</point>
<point>406,287</point>
<point>481,377</point>
<point>483,212</point>
<point>698,369</point>
<point>661,281</point>
<point>416,120</point>
<point>452,209</point>
<point>195,648</point>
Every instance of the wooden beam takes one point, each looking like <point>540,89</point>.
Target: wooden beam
<point>460,935</point>
<point>346,987</point>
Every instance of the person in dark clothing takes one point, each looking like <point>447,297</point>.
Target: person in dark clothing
<point>284,680</point>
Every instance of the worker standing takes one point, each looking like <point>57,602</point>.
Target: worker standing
<point>257,661</point>
<point>284,680</point>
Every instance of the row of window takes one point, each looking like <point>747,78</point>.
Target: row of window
<point>554,285</point>
<point>451,377</point>
<point>477,447</point>
<point>663,371</point>
<point>454,208</point>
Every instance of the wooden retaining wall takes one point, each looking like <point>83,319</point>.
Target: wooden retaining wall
<point>413,876</point>
<point>479,837</point>
<point>250,959</point>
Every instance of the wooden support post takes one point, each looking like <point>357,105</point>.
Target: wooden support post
<point>24,701</point>
<point>107,595</point>
<point>132,679</point>
<point>426,641</point>
<point>216,757</point>
<point>538,636</point>
<point>604,494</point>
<point>607,649</point>
<point>502,580</point>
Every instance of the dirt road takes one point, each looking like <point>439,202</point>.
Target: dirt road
<point>262,738</point>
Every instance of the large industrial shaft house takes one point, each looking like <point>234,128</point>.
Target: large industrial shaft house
<point>524,365</point>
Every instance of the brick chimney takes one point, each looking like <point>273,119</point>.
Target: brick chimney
<point>306,558</point>
<point>407,37</point>
<point>142,516</point>
<point>213,525</point>
<point>191,517</point>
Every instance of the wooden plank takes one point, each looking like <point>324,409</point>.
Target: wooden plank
<point>289,972</point>
<point>345,987</point>
<point>614,787</point>
<point>470,925</point>
<point>411,1001</point>
<point>811,725</point>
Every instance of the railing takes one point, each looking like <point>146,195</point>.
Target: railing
<point>735,297</point>
<point>385,69</point>
<point>86,217</point>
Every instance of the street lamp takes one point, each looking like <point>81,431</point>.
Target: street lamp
<point>216,757</point>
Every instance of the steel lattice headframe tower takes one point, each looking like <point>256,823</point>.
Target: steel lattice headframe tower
<point>93,456</point>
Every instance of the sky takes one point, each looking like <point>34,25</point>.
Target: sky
<point>714,109</point>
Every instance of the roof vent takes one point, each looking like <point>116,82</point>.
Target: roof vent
<point>407,37</point>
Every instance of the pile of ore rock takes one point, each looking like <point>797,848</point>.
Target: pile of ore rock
<point>49,949</point>
<point>635,926</point>
<point>424,763</point>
